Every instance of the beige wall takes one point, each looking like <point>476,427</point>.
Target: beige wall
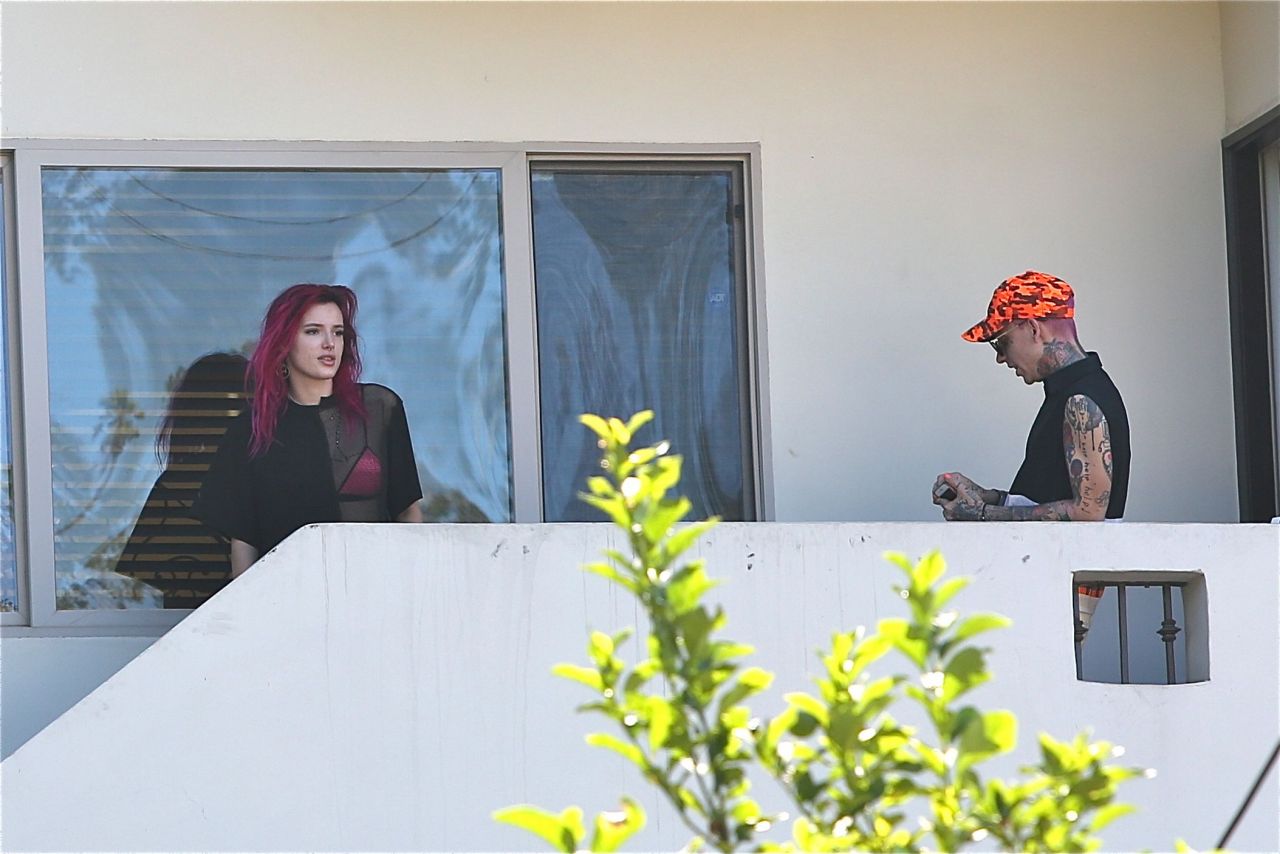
<point>1250,58</point>
<point>912,155</point>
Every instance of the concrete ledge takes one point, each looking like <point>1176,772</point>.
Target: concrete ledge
<point>387,687</point>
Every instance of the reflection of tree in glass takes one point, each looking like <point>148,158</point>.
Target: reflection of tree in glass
<point>117,426</point>
<point>90,583</point>
<point>8,557</point>
<point>181,262</point>
<point>451,506</point>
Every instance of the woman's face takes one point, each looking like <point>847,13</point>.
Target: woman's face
<point>317,348</point>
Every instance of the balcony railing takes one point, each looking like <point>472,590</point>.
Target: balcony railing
<point>1090,593</point>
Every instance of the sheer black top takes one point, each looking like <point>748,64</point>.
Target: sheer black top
<point>319,469</point>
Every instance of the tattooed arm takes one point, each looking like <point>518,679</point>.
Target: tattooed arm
<point>1086,444</point>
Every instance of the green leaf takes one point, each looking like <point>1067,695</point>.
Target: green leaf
<point>620,431</point>
<point>808,704</point>
<point>596,424</point>
<point>844,727</point>
<point>641,418</point>
<point>617,745</point>
<point>613,574</point>
<point>613,829</point>
<point>979,623</point>
<point>1108,814</point>
<point>614,508</point>
<point>660,716</point>
<point>600,648</point>
<point>899,560</point>
<point>558,830</point>
<point>751,681</point>
<point>681,539</point>
<point>660,519</point>
<point>991,734</point>
<point>965,671</point>
<point>695,626</point>
<point>726,651</point>
<point>586,675</point>
<point>686,587</point>
<point>929,570</point>
<point>947,590</point>
<point>667,475</point>
<point>775,730</point>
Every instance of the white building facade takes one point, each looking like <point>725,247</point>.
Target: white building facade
<point>767,221</point>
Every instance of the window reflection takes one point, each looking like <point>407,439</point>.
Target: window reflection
<point>168,549</point>
<point>639,300</point>
<point>146,270</point>
<point>8,556</point>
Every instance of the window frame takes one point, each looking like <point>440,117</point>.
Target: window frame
<point>13,396</point>
<point>1254,378</point>
<point>28,334</point>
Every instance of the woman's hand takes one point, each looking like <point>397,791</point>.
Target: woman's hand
<point>243,556</point>
<point>412,513</point>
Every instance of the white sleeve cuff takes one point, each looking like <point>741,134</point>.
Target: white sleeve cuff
<point>1011,500</point>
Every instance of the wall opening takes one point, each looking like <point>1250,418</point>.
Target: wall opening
<point>1140,627</point>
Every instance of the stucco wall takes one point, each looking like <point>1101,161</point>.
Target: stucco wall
<point>912,156</point>
<point>375,688</point>
<point>42,677</point>
<point>1250,58</point>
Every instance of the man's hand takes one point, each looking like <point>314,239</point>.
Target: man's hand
<point>969,500</point>
<point>1086,446</point>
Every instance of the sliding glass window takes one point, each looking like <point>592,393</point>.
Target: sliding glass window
<point>156,280</point>
<point>641,304</point>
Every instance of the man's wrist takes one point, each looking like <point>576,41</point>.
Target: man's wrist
<point>993,496</point>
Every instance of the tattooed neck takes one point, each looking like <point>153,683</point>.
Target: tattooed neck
<point>1057,355</point>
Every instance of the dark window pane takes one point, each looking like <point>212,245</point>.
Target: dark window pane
<point>148,270</point>
<point>640,306</point>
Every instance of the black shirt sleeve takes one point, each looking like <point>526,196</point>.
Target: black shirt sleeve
<point>226,502</point>
<point>403,487</point>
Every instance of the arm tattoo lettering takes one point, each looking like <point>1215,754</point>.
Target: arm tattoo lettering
<point>1086,445</point>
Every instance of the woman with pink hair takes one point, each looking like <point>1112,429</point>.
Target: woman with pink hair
<point>316,445</point>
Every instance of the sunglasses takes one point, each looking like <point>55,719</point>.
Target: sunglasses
<point>1001,342</point>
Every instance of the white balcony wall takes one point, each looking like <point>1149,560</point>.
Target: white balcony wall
<point>386,688</point>
<point>912,155</point>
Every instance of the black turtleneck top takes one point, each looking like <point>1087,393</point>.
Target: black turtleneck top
<point>1043,476</point>
<point>319,469</point>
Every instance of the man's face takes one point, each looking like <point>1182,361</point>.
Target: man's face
<point>1018,347</point>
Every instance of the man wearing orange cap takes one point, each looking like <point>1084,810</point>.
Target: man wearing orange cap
<point>1077,462</point>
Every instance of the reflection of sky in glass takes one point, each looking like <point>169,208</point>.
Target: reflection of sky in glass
<point>8,558</point>
<point>148,269</point>
<point>638,309</point>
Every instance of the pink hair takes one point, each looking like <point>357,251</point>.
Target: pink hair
<point>264,377</point>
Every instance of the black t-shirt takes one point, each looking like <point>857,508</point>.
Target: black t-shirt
<point>320,468</point>
<point>1043,476</point>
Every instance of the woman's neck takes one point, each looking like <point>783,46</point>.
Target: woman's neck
<point>308,392</point>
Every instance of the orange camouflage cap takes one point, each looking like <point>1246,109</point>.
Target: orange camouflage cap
<point>1031,295</point>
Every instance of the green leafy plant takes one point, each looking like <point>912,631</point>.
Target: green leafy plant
<point>857,778</point>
